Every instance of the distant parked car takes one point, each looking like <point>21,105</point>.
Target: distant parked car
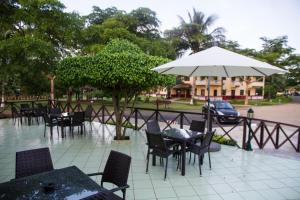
<point>225,111</point>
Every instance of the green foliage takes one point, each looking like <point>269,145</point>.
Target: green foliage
<point>121,70</point>
<point>114,70</point>
<point>194,34</point>
<point>222,140</point>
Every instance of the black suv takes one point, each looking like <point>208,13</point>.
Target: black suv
<point>225,111</point>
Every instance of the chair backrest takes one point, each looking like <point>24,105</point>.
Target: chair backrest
<point>88,111</point>
<point>32,162</point>
<point>116,169</point>
<point>153,126</point>
<point>207,139</point>
<point>78,117</point>
<point>198,126</point>
<point>55,111</point>
<point>156,141</point>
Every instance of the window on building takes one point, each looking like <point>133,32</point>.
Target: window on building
<point>202,78</point>
<point>233,93</point>
<point>215,93</point>
<point>202,92</point>
<point>249,91</point>
<point>232,78</point>
<point>259,91</point>
<point>215,78</point>
<point>224,92</point>
<point>242,92</point>
<point>223,78</point>
<point>195,91</point>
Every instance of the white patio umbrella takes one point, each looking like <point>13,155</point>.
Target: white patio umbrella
<point>217,61</point>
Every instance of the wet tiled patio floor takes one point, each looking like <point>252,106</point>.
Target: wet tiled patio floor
<point>235,174</point>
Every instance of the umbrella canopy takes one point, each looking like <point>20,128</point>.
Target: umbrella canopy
<point>217,61</point>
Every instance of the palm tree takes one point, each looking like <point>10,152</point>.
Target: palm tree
<point>195,35</point>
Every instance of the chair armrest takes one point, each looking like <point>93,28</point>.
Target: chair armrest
<point>118,188</point>
<point>95,174</point>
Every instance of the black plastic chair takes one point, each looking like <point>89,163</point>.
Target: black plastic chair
<point>116,171</point>
<point>32,162</point>
<point>77,120</point>
<point>157,147</point>
<point>203,148</point>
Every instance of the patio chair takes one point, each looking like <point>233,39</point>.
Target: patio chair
<point>201,149</point>
<point>50,122</point>
<point>153,127</point>
<point>55,111</point>
<point>116,172</point>
<point>198,126</point>
<point>16,115</point>
<point>26,111</point>
<point>77,120</point>
<point>88,114</point>
<point>157,147</point>
<point>32,162</point>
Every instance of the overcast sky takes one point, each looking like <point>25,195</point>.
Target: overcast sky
<point>244,21</point>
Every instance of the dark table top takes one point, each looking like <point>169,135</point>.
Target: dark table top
<point>69,183</point>
<point>182,134</point>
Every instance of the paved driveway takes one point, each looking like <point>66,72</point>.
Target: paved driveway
<point>286,113</point>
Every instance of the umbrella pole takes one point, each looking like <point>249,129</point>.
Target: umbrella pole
<point>209,124</point>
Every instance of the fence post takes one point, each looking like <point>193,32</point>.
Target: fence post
<point>261,143</point>
<point>244,133</point>
<point>298,146</point>
<point>135,119</point>
<point>103,117</point>
<point>181,120</point>
<point>277,137</point>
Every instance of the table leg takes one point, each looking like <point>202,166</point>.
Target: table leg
<point>153,160</point>
<point>62,128</point>
<point>183,146</point>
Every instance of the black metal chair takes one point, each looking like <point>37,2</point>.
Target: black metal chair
<point>201,149</point>
<point>116,171</point>
<point>77,120</point>
<point>50,122</point>
<point>157,147</point>
<point>32,162</point>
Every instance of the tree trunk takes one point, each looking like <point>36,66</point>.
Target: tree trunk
<point>116,103</point>
<point>69,98</point>
<point>246,90</point>
<point>192,91</point>
<point>3,95</point>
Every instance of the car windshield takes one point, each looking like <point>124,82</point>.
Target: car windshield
<point>223,105</point>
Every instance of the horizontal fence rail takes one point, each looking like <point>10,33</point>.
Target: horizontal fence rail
<point>264,133</point>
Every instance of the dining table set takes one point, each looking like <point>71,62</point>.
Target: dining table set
<point>39,180</point>
<point>177,142</point>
